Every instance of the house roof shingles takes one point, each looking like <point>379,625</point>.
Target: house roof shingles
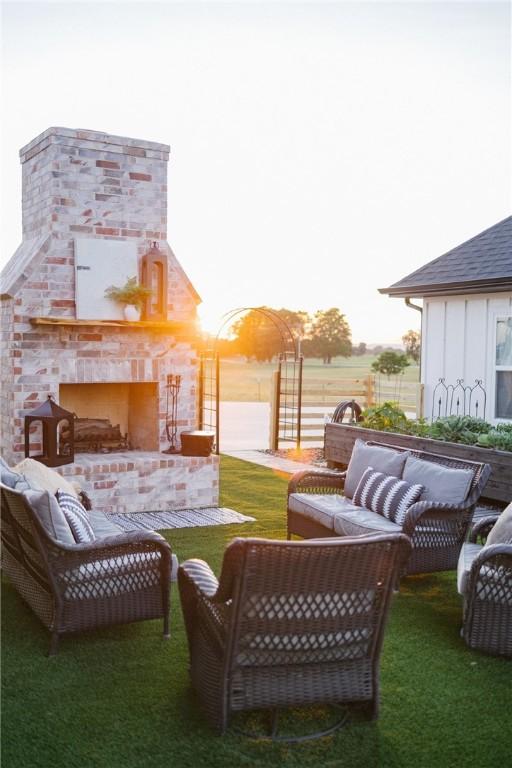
<point>481,264</point>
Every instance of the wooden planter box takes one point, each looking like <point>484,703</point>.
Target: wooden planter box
<point>340,438</point>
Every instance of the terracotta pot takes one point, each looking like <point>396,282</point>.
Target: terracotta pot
<point>131,312</point>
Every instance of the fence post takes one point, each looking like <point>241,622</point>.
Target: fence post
<point>369,391</point>
<point>274,411</point>
<point>420,403</point>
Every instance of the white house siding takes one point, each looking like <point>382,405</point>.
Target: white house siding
<point>459,342</point>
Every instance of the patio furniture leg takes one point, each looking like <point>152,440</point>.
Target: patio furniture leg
<point>167,634</point>
<point>54,644</point>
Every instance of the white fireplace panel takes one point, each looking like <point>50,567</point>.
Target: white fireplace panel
<point>98,265</point>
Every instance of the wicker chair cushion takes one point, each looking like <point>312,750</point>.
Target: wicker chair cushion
<point>102,526</point>
<point>76,516</point>
<point>111,577</point>
<point>46,507</point>
<point>12,479</point>
<point>501,532</point>
<point>384,460</point>
<point>466,557</point>
<point>320,507</point>
<point>359,520</point>
<point>386,495</point>
<point>42,478</point>
<point>451,486</point>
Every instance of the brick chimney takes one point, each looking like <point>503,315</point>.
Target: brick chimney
<point>84,185</point>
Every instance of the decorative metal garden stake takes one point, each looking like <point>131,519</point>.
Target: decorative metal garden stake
<point>171,419</point>
<point>57,433</point>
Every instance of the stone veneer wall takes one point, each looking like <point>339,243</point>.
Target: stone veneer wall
<point>88,184</point>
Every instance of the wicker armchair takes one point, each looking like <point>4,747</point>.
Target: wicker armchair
<point>112,580</point>
<point>289,623</point>
<point>437,531</point>
<point>487,591</point>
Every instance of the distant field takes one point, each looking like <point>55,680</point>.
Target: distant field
<point>241,381</point>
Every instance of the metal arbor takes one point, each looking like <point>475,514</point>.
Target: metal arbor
<point>286,390</point>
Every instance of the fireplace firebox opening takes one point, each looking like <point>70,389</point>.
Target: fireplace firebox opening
<point>121,416</point>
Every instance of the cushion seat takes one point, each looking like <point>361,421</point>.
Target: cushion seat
<point>355,521</point>
<point>320,507</point>
<point>466,557</point>
<point>102,526</point>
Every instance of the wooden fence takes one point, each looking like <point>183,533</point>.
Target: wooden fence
<point>320,398</point>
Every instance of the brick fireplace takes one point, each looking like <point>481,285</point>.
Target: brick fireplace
<point>80,187</point>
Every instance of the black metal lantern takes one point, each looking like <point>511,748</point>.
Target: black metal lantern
<point>154,276</point>
<point>57,433</point>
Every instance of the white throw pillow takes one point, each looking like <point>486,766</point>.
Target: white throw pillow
<point>42,478</point>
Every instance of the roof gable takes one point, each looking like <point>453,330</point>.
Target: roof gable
<point>479,265</point>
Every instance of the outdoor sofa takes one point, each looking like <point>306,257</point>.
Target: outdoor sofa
<point>114,578</point>
<point>321,503</point>
<point>484,579</point>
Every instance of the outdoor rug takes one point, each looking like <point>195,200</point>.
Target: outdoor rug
<point>178,518</point>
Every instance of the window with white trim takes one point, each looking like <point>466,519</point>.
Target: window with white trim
<point>503,401</point>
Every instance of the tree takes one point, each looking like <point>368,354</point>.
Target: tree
<point>259,335</point>
<point>412,344</point>
<point>390,363</point>
<point>360,349</point>
<point>330,335</point>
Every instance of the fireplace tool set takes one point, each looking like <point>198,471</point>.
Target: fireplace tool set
<point>171,418</point>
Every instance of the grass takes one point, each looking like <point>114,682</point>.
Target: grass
<point>120,698</point>
<point>243,381</point>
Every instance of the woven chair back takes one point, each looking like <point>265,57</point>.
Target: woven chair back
<point>312,601</point>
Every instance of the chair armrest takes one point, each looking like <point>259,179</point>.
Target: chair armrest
<point>63,557</point>
<point>490,553</point>
<point>316,481</point>
<point>482,527</point>
<point>496,555</point>
<point>201,575</point>
<point>429,509</point>
<point>200,602</point>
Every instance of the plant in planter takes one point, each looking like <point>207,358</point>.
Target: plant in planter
<point>132,295</point>
<point>388,417</point>
<point>459,429</point>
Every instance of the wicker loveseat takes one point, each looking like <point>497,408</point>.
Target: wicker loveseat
<point>484,579</point>
<point>320,502</point>
<point>116,578</point>
<point>289,623</point>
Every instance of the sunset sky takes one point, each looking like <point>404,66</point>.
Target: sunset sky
<point>318,151</point>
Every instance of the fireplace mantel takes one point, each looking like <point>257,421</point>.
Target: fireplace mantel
<point>173,327</point>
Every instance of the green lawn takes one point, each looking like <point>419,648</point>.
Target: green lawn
<point>250,381</point>
<point>120,698</point>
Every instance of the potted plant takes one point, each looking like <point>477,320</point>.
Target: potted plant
<point>132,295</point>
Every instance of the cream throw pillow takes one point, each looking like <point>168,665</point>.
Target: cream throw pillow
<point>42,478</point>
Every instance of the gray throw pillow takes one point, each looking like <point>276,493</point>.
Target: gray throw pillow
<point>501,532</point>
<point>384,460</point>
<point>444,484</point>
<point>12,479</point>
<point>47,509</point>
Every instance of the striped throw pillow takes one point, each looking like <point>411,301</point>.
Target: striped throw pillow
<point>386,495</point>
<point>77,518</point>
